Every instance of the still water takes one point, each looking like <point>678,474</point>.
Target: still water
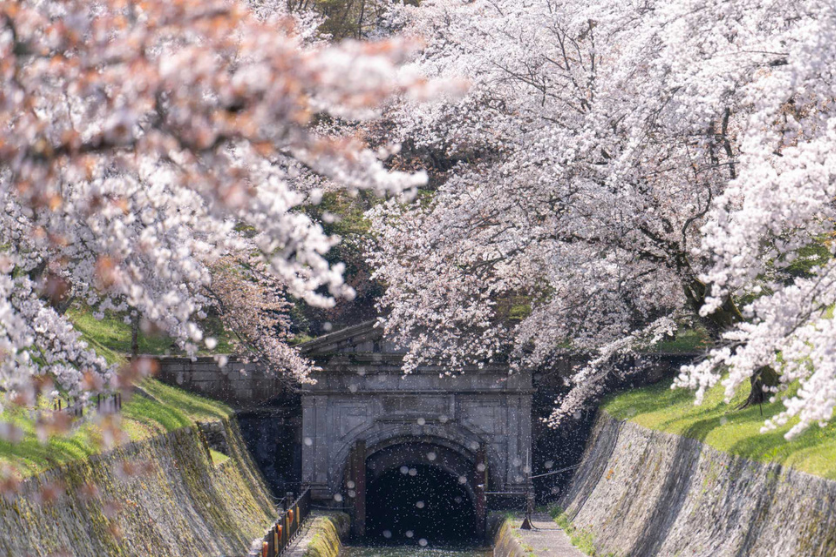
<point>414,552</point>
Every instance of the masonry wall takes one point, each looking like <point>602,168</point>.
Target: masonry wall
<point>504,542</point>
<point>182,505</point>
<point>236,383</point>
<point>322,536</point>
<point>268,412</point>
<point>644,492</point>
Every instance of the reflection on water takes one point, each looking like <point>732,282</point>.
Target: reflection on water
<point>406,551</point>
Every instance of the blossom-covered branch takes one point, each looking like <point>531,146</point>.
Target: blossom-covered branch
<point>140,138</point>
<point>612,165</point>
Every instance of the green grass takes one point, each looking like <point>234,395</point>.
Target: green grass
<point>687,340</point>
<point>218,457</point>
<point>111,336</point>
<point>723,427</point>
<point>164,409</point>
<point>196,408</point>
<point>581,538</point>
<point>300,338</point>
<point>156,408</point>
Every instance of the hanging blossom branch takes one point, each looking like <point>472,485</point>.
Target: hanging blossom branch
<point>790,331</point>
<point>138,139</point>
<point>590,382</point>
<point>252,307</point>
<point>617,162</point>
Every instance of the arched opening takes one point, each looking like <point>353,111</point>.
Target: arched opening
<point>420,493</point>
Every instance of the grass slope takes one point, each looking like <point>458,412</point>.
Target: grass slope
<point>110,337</point>
<point>723,427</point>
<point>686,340</point>
<point>155,408</point>
<point>161,409</point>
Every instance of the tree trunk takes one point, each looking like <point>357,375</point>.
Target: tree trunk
<point>135,335</point>
<point>720,319</point>
<point>765,377</point>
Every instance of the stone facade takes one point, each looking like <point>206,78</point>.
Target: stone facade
<point>362,395</point>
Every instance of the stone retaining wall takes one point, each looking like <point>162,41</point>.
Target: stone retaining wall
<point>181,505</point>
<point>236,383</point>
<point>323,536</point>
<point>504,542</point>
<point>643,493</point>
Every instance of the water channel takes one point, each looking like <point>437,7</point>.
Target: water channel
<point>409,551</point>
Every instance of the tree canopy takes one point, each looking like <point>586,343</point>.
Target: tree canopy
<point>147,146</point>
<point>624,167</point>
<point>615,171</point>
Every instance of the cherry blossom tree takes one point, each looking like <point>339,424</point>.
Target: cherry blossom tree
<point>622,167</point>
<point>139,139</point>
<point>252,308</point>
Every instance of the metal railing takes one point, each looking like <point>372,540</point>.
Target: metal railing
<point>285,528</point>
<point>108,404</point>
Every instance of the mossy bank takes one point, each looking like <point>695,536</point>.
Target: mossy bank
<point>641,492</point>
<point>322,536</point>
<point>162,496</point>
<point>504,542</point>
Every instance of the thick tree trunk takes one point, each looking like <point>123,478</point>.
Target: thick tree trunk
<point>720,319</point>
<point>764,378</point>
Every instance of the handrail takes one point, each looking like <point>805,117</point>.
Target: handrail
<point>279,536</point>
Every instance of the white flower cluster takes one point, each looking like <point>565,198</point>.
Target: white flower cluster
<point>142,143</point>
<point>616,163</point>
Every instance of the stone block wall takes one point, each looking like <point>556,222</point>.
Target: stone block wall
<point>643,492</point>
<point>322,536</point>
<point>181,505</point>
<point>235,383</point>
<point>481,407</point>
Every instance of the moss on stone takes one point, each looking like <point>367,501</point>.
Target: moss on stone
<point>326,535</point>
<point>180,504</point>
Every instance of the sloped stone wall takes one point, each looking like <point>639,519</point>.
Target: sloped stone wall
<point>322,536</point>
<point>644,493</point>
<point>504,542</point>
<point>182,505</point>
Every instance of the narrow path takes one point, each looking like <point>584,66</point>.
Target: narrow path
<point>548,540</point>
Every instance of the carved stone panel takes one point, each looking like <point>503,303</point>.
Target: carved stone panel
<point>484,414</point>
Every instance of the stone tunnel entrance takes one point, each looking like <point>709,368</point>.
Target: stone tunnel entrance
<point>419,503</point>
<point>417,491</point>
<point>412,457</point>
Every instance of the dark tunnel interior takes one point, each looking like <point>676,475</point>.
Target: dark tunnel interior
<point>419,504</point>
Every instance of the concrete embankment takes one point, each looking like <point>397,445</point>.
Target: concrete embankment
<point>504,542</point>
<point>160,497</point>
<point>641,492</point>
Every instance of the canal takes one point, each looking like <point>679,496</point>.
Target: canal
<point>405,551</point>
